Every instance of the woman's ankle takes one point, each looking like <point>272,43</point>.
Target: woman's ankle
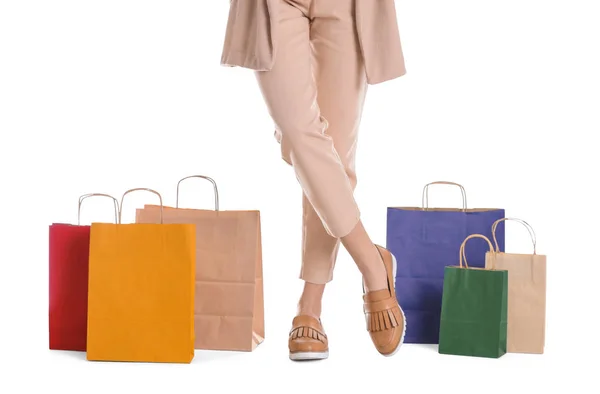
<point>310,301</point>
<point>309,311</point>
<point>367,258</point>
<point>375,274</point>
<point>376,280</point>
<point>309,307</point>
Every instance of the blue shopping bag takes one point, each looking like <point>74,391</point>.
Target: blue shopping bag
<point>424,240</point>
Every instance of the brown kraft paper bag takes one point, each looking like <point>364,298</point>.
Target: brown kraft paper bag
<point>526,295</point>
<point>229,299</point>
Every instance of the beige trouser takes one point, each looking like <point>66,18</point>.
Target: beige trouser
<point>315,93</point>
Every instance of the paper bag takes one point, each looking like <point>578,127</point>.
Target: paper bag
<point>474,309</point>
<point>229,302</point>
<point>141,291</point>
<point>68,282</point>
<point>424,241</point>
<point>526,295</point>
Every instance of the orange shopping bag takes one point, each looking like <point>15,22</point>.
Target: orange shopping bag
<point>141,291</point>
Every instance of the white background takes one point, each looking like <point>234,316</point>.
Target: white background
<point>104,96</point>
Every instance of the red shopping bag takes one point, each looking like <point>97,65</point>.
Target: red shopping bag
<point>68,282</point>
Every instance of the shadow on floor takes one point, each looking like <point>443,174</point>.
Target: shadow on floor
<point>433,347</point>
<point>71,354</point>
<point>207,356</point>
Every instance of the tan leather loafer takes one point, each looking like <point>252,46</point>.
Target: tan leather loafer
<point>307,339</point>
<point>385,319</point>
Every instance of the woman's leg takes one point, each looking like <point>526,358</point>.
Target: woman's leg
<point>290,93</point>
<point>298,95</point>
<point>341,88</point>
<point>294,92</point>
<point>341,84</point>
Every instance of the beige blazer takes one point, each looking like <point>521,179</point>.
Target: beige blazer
<point>251,37</point>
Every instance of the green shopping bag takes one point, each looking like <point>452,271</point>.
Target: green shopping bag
<point>474,308</point>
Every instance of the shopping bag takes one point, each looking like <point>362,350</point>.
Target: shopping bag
<point>229,302</point>
<point>68,281</point>
<point>141,291</point>
<point>474,308</point>
<point>526,295</point>
<point>424,241</point>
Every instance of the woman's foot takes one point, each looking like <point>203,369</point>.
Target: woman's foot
<point>385,319</point>
<point>307,339</point>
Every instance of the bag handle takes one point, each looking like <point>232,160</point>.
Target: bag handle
<point>462,254</point>
<point>81,198</point>
<point>202,177</point>
<point>144,189</point>
<point>524,223</point>
<point>425,195</point>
